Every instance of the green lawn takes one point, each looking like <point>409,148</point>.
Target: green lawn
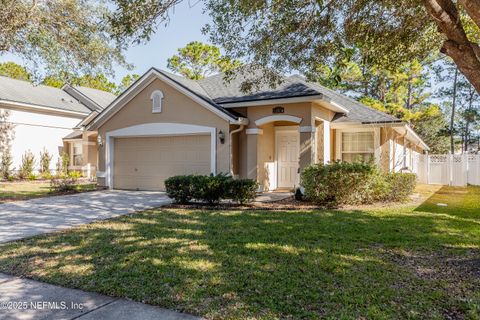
<point>406,261</point>
<point>14,191</point>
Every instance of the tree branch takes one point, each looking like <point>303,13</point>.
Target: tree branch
<point>473,9</point>
<point>457,46</point>
<point>446,16</point>
<point>465,59</point>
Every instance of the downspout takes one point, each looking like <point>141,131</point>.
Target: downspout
<point>402,137</point>
<point>242,126</point>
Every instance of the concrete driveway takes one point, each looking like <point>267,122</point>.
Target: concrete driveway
<point>27,218</point>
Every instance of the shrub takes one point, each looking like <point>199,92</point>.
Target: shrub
<point>180,188</point>
<point>63,183</point>
<point>75,174</point>
<point>211,189</point>
<point>62,164</point>
<point>26,167</point>
<point>32,176</point>
<point>342,183</point>
<point>242,190</point>
<point>401,186</point>
<point>6,165</point>
<point>46,175</point>
<point>45,160</point>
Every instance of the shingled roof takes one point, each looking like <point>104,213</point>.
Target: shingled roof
<point>19,91</point>
<point>219,93</point>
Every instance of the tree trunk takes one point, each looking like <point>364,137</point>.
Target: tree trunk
<point>472,7</point>
<point>462,137</point>
<point>409,94</point>
<point>468,118</point>
<point>464,53</point>
<point>452,117</point>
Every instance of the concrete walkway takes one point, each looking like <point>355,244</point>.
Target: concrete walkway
<point>273,196</point>
<point>28,218</point>
<point>38,300</point>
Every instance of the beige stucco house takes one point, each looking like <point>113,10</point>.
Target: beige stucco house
<point>166,125</point>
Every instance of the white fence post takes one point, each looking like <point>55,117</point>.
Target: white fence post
<point>427,169</point>
<point>448,169</point>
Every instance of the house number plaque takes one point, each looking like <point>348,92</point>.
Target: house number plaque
<point>278,110</point>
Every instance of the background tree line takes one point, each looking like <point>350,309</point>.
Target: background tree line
<point>382,52</point>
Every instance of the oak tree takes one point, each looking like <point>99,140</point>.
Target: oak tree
<point>71,36</point>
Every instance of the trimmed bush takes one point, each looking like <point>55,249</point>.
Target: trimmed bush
<point>180,188</point>
<point>210,189</point>
<point>401,186</point>
<point>242,190</point>
<point>342,183</point>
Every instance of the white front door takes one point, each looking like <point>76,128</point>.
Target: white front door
<point>287,146</point>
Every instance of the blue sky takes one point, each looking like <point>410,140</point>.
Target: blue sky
<point>185,25</point>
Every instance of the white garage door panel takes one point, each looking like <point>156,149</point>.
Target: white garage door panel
<point>145,163</point>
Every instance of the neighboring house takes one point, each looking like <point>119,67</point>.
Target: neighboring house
<point>81,145</point>
<point>41,115</point>
<point>165,125</point>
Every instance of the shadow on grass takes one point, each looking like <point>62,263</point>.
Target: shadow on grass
<point>257,264</point>
<point>459,201</point>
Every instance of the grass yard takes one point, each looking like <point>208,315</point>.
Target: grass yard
<point>14,191</point>
<point>406,261</point>
<point>11,191</point>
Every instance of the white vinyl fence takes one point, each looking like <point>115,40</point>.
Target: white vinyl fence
<point>448,169</point>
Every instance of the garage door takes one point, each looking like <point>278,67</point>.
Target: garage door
<point>145,163</point>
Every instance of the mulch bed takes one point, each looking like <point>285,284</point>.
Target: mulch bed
<point>285,204</point>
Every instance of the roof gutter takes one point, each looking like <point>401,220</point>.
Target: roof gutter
<point>416,136</point>
<point>413,135</point>
<point>29,106</point>
<point>241,121</point>
<point>383,122</point>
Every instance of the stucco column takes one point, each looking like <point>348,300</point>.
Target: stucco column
<point>307,146</point>
<point>326,141</point>
<point>252,141</point>
<point>85,155</point>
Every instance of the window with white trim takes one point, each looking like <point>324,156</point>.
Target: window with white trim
<point>156,98</point>
<point>77,153</point>
<point>358,146</point>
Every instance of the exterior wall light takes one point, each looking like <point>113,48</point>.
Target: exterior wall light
<point>221,136</point>
<point>100,140</point>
